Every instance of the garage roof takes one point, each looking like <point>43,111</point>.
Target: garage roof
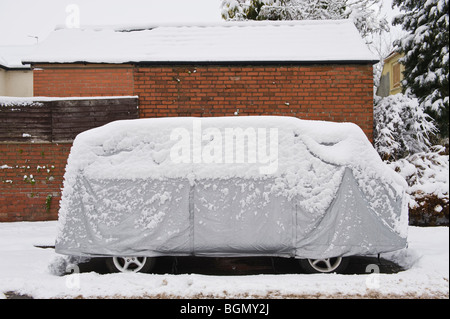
<point>251,41</point>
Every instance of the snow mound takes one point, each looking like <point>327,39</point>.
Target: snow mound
<point>301,160</point>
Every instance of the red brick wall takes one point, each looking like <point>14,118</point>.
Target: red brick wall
<point>338,93</point>
<point>322,92</point>
<point>341,93</point>
<point>83,81</point>
<point>31,178</point>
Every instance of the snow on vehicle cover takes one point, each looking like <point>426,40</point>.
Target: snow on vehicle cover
<point>229,186</point>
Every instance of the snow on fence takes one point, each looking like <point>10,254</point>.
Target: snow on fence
<point>60,119</point>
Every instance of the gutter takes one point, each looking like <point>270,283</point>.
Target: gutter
<point>255,63</point>
<point>6,68</point>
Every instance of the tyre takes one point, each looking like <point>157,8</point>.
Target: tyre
<point>130,264</point>
<point>324,266</point>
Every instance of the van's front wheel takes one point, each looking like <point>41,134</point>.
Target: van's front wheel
<point>324,266</point>
<point>130,264</point>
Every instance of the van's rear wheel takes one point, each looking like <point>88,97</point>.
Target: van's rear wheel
<point>324,266</point>
<point>130,264</point>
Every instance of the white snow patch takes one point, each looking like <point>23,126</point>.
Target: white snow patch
<point>26,269</point>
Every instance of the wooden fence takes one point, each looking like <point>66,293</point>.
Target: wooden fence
<point>60,120</point>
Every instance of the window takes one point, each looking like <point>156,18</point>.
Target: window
<point>396,75</point>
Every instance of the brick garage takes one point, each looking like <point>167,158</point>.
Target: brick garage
<point>81,80</point>
<point>340,93</point>
<point>310,70</point>
<point>320,70</point>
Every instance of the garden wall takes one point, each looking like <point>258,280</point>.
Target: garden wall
<point>35,140</point>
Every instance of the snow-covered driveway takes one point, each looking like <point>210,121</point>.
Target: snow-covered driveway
<point>24,269</point>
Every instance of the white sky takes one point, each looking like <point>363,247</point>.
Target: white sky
<point>20,20</point>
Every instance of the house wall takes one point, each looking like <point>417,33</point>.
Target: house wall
<point>2,82</point>
<point>16,83</point>
<point>387,84</point>
<point>19,83</point>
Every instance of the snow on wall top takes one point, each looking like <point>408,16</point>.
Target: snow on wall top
<point>272,41</point>
<point>24,101</point>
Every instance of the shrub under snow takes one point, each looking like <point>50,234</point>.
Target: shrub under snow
<point>427,176</point>
<point>401,127</point>
<point>402,134</point>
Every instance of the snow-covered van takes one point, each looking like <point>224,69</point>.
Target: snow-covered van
<point>227,187</point>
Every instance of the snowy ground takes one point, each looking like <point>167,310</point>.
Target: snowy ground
<point>24,269</point>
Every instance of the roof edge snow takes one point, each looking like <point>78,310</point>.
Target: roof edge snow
<point>307,41</point>
<point>248,23</point>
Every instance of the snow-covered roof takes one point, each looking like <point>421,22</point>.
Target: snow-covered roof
<point>255,41</point>
<point>11,56</point>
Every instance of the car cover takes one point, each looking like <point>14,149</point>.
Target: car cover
<point>229,186</point>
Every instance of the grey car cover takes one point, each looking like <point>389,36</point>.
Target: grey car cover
<point>231,186</point>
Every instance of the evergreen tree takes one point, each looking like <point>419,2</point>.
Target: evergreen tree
<point>426,55</point>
